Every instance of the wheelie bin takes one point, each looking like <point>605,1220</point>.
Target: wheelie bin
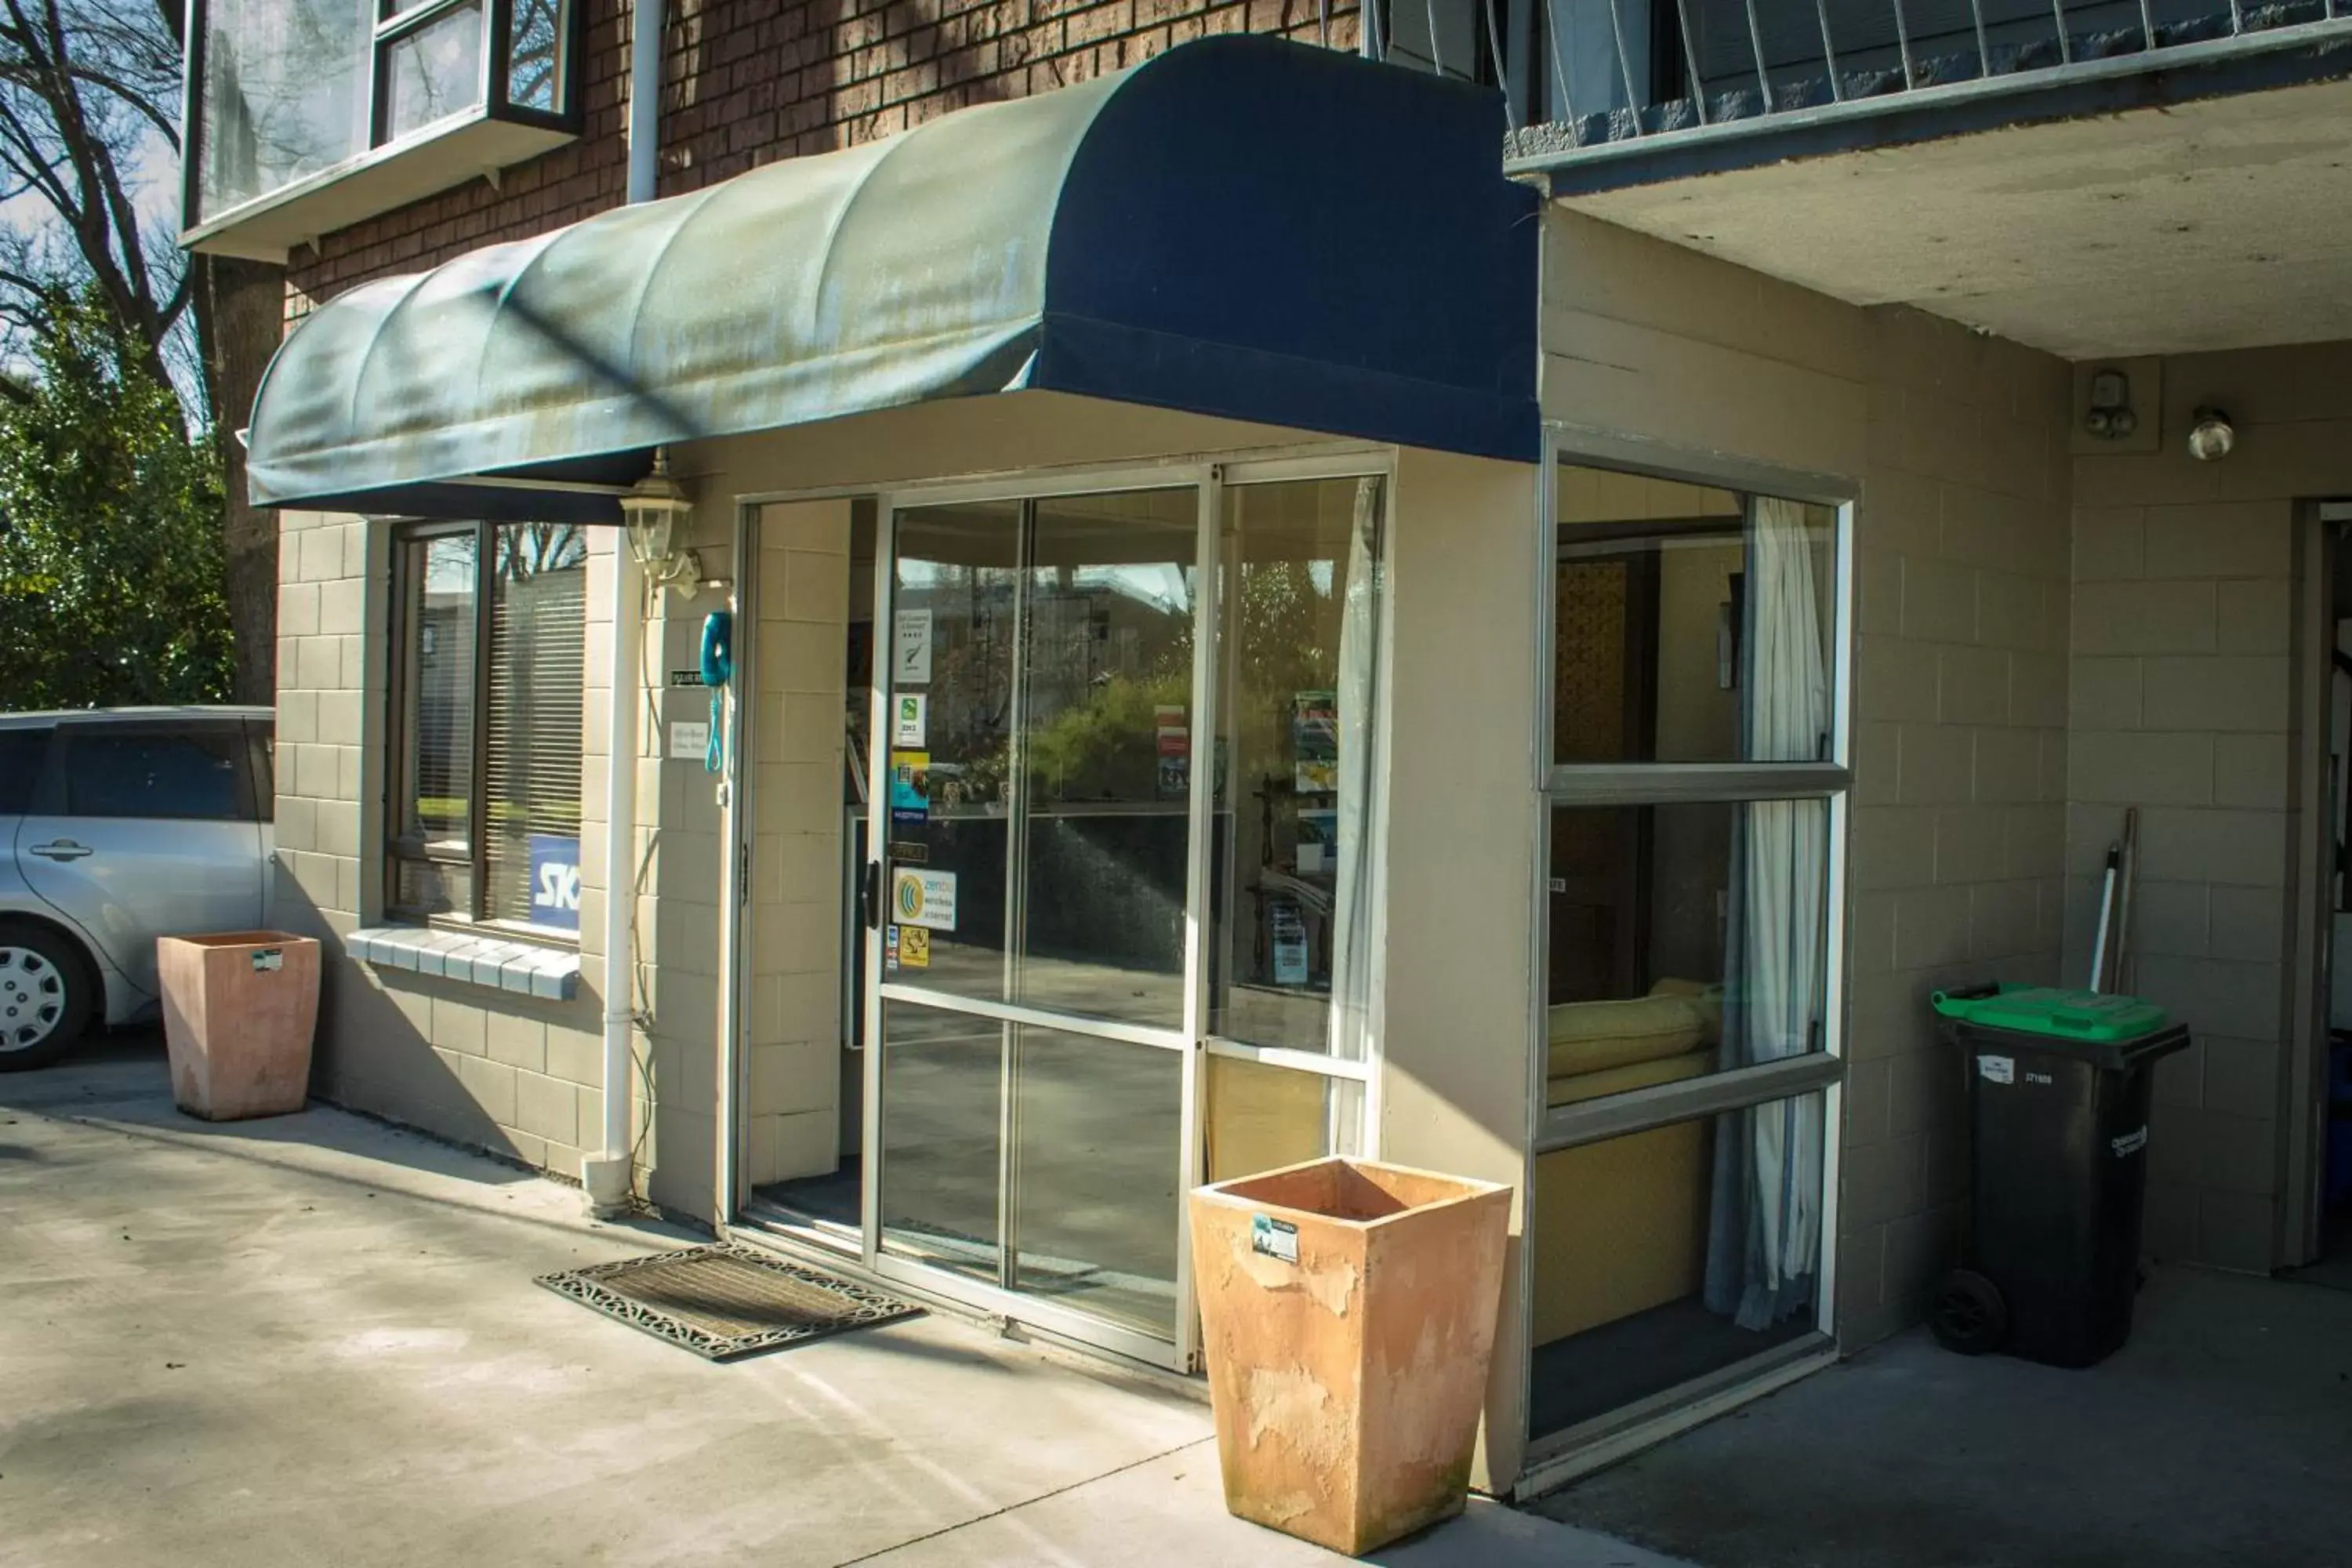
<point>2058,1100</point>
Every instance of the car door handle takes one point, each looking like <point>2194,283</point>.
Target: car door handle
<point>61,849</point>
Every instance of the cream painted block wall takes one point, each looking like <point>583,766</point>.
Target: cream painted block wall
<point>2184,703</point>
<point>793,1087</point>
<point>1956,442</point>
<point>518,1078</point>
<point>1459,880</point>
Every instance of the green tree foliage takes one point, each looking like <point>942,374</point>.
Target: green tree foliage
<point>111,587</point>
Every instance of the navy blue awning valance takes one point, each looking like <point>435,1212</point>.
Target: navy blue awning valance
<point>1241,226</point>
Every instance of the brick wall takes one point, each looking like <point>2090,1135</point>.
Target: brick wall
<point>2184,704</point>
<point>748,81</point>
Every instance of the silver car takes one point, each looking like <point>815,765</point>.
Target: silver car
<point>118,826</point>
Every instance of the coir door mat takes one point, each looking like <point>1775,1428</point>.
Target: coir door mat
<point>726,1302</point>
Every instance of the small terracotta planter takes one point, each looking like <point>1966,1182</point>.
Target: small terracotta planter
<point>1347,1314</point>
<point>239,1009</point>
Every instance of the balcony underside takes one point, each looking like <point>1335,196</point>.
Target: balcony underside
<point>2202,221</point>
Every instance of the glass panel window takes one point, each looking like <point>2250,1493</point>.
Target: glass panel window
<point>942,1083</point>
<point>1685,939</point>
<point>1690,624</point>
<point>1096,1154</point>
<point>1106,719</point>
<point>1666,1255</point>
<point>531,754</point>
<point>21,753</point>
<point>435,802</point>
<point>488,705</point>
<point>1261,1118</point>
<point>538,31</point>
<point>433,71</point>
<point>285,94</point>
<point>947,752</point>
<point>1299,630</point>
<point>190,775</point>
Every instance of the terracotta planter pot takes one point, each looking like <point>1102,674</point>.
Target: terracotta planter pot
<point>1347,1314</point>
<point>239,1009</point>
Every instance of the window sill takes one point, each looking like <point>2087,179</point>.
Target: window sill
<point>517,968</point>
<point>424,163</point>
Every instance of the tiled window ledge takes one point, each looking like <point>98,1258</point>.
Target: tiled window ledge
<point>518,967</point>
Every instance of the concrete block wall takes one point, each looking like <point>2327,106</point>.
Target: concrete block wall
<point>2185,674</point>
<point>1957,441</point>
<point>793,1087</point>
<point>519,1078</point>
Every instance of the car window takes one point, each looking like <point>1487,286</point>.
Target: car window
<point>190,774</point>
<point>20,767</point>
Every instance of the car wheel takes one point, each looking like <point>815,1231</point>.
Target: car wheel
<point>44,997</point>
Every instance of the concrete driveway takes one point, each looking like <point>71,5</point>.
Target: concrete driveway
<point>314,1340</point>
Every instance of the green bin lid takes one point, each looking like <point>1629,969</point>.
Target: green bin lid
<point>2062,1014</point>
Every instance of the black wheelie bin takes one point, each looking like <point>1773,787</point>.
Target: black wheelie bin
<point>2058,1100</point>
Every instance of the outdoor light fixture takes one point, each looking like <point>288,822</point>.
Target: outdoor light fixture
<point>2211,435</point>
<point>2111,417</point>
<point>653,511</point>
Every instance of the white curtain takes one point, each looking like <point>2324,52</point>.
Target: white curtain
<point>1352,903</point>
<point>1765,1236</point>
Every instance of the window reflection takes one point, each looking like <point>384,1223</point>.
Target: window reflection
<point>433,72</point>
<point>535,55</point>
<point>1299,623</point>
<point>1690,624</point>
<point>285,94</point>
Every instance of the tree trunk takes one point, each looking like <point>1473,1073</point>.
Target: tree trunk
<point>240,318</point>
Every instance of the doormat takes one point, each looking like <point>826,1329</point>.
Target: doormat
<point>726,1302</point>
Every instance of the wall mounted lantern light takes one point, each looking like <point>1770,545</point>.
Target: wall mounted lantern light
<point>654,511</point>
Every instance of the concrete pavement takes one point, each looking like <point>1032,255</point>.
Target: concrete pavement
<point>314,1339</point>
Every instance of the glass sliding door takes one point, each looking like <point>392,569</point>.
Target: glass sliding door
<point>1030,903</point>
<point>1120,908</point>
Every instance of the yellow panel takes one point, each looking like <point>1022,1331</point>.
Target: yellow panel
<point>1619,1226</point>
<point>1262,1118</point>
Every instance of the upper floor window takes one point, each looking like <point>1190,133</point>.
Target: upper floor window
<point>289,98</point>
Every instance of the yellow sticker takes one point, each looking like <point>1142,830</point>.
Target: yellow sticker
<point>914,947</point>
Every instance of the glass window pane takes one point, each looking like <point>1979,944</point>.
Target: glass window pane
<point>434,800</point>
<point>190,776</point>
<point>1097,1148</point>
<point>21,752</point>
<point>1105,701</point>
<point>284,95</point>
<point>1298,635</point>
<point>539,601</point>
<point>942,1084</point>
<point>433,72</point>
<point>1666,1255</point>
<point>537,32</point>
<point>1684,939</point>
<point>948,751</point>
<point>1263,1118</point>
<point>1690,624</point>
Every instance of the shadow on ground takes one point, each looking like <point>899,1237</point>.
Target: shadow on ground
<point>2223,1433</point>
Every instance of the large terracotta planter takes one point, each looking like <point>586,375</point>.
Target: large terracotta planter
<point>1347,1314</point>
<point>238,1012</point>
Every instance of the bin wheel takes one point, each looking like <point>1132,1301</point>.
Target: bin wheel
<point>1968,1315</point>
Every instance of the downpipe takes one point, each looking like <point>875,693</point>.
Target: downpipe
<point>606,1176</point>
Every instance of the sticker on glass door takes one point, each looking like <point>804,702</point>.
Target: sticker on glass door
<point>925,899</point>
